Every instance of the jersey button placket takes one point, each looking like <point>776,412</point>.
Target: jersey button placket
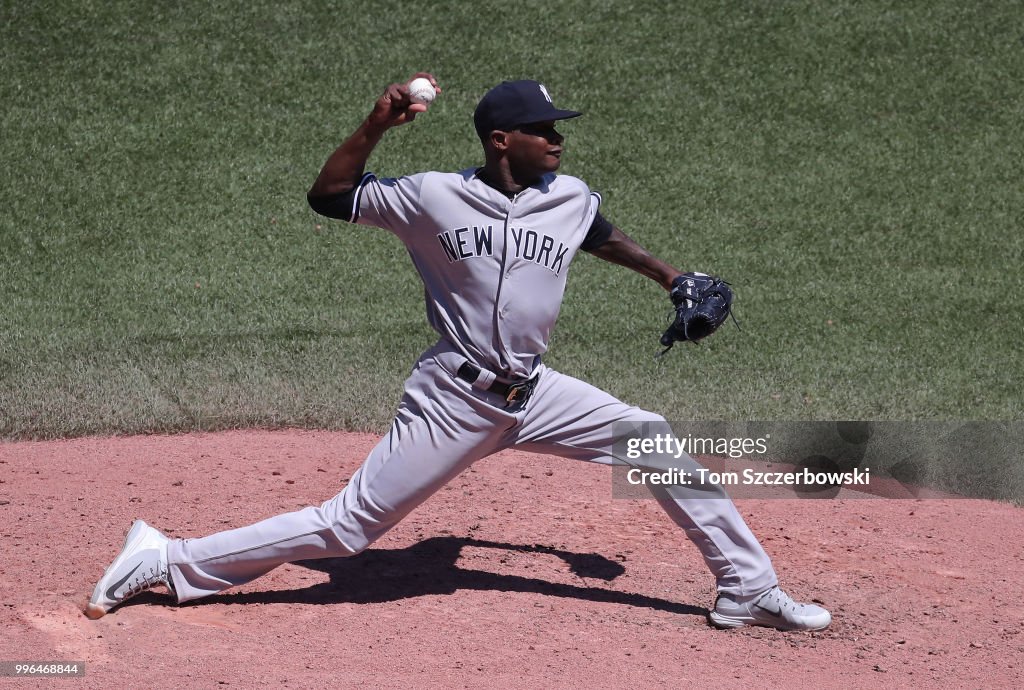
<point>509,285</point>
<point>502,304</point>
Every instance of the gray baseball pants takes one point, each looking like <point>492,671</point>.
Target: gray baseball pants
<point>444,425</point>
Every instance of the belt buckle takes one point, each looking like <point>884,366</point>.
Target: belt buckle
<point>514,390</point>
<point>519,393</point>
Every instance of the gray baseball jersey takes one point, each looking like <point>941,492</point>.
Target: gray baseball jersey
<point>494,271</point>
<point>494,268</point>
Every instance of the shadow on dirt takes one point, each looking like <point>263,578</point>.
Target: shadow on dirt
<point>429,568</point>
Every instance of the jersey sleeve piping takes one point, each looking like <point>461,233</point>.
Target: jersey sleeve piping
<point>367,178</point>
<point>600,229</point>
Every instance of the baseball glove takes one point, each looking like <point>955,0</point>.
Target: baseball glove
<point>701,303</point>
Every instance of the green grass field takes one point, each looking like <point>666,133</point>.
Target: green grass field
<point>854,168</point>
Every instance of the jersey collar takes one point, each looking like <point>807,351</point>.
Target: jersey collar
<point>541,185</point>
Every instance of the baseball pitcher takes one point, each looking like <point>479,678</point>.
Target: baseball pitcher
<point>493,245</point>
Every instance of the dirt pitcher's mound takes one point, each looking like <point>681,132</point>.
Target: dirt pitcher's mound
<point>523,572</point>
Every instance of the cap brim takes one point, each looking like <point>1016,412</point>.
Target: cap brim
<point>553,114</point>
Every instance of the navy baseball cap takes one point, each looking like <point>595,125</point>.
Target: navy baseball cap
<point>514,103</point>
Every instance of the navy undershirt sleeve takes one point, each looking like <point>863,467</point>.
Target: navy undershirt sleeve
<point>334,205</point>
<point>600,231</point>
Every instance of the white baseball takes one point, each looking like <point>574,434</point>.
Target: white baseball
<point>421,90</point>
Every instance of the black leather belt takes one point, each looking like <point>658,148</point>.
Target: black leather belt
<point>514,393</point>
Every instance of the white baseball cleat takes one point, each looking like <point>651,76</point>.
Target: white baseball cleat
<point>772,608</point>
<point>142,564</point>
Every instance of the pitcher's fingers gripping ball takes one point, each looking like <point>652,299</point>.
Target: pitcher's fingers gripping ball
<point>400,104</point>
<point>422,91</point>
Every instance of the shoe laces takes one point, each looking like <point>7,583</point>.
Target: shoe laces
<point>780,597</point>
<point>153,578</point>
